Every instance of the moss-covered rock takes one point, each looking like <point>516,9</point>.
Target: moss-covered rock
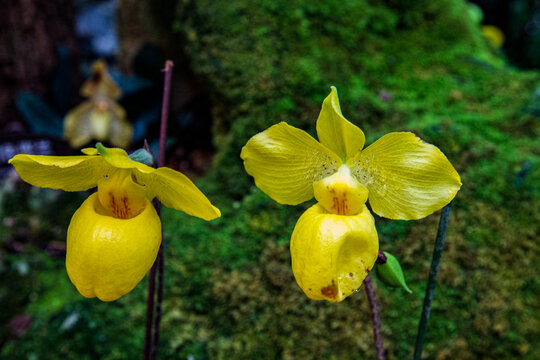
<point>275,60</point>
<point>422,67</point>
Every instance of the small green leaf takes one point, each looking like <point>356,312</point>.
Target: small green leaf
<point>142,156</point>
<point>39,115</point>
<point>391,274</point>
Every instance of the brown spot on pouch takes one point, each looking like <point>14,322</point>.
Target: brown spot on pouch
<point>330,291</point>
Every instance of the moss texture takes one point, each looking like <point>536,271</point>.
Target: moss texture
<point>421,67</point>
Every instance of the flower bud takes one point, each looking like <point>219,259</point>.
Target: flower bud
<point>390,273</point>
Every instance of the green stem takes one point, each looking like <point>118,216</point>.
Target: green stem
<point>432,281</point>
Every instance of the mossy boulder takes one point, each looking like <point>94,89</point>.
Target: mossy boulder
<point>422,67</point>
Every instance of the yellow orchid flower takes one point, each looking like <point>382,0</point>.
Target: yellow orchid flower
<point>334,244</point>
<point>114,237</point>
<point>99,118</point>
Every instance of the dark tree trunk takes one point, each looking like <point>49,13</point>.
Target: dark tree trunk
<point>30,33</point>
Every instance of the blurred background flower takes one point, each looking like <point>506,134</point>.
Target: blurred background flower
<point>100,118</point>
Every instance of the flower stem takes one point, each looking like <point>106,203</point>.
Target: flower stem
<point>165,112</point>
<point>152,325</point>
<point>375,318</point>
<point>149,313</point>
<point>432,281</point>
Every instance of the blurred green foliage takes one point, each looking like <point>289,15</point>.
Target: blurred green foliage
<point>523,33</point>
<point>229,289</point>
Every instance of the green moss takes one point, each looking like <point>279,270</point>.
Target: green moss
<point>275,61</point>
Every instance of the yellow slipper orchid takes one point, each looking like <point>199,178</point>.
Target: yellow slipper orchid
<point>99,118</point>
<point>114,237</point>
<point>400,175</point>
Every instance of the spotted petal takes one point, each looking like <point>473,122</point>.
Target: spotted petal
<point>286,161</point>
<point>171,187</point>
<point>69,173</point>
<point>407,178</point>
<point>332,254</point>
<point>335,132</point>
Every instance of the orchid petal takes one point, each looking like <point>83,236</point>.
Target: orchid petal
<point>78,126</point>
<point>120,159</point>
<point>176,191</point>
<point>121,131</point>
<point>332,254</point>
<point>100,84</point>
<point>335,132</point>
<point>69,173</point>
<point>407,178</point>
<point>286,161</point>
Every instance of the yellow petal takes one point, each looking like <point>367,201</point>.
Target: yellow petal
<point>106,256</point>
<point>340,193</point>
<point>335,132</point>
<point>100,123</point>
<point>332,254</point>
<point>89,151</point>
<point>70,173</point>
<point>407,178</point>
<point>77,125</point>
<point>171,187</point>
<point>101,120</point>
<point>121,131</point>
<point>100,83</point>
<point>120,195</point>
<point>176,191</point>
<point>120,159</point>
<point>286,161</point>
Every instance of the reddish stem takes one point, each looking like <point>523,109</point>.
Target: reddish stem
<point>165,112</point>
<point>375,318</point>
<point>149,313</point>
<point>150,349</point>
